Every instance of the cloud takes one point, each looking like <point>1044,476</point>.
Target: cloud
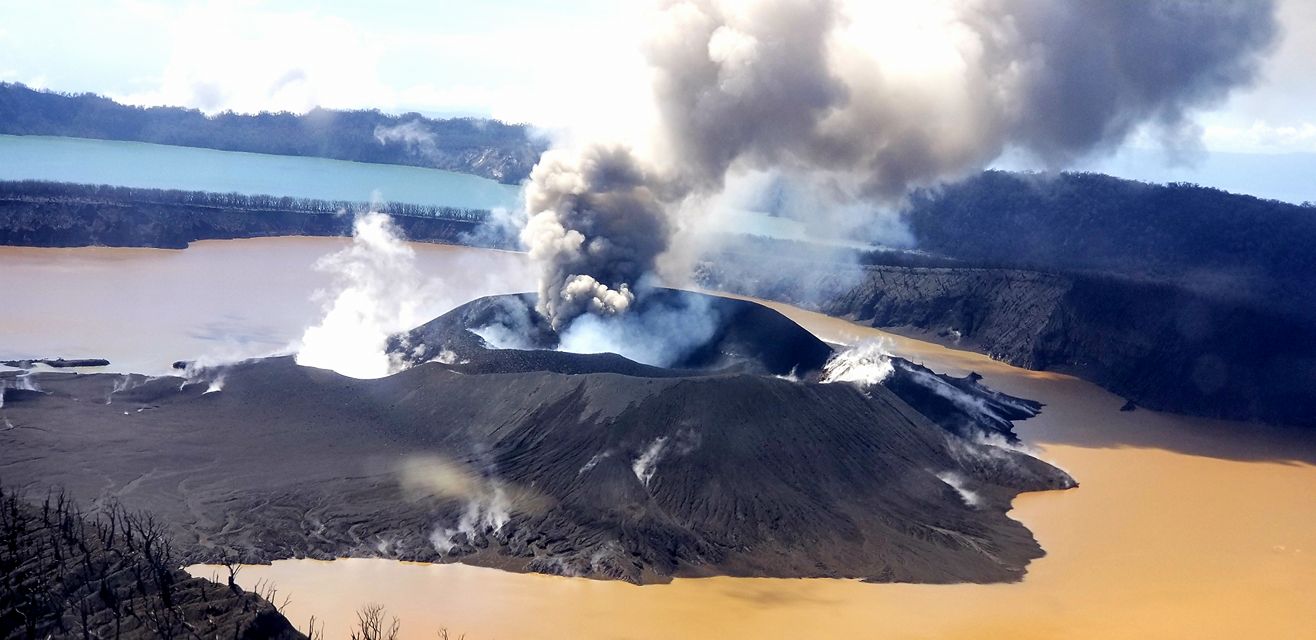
<point>245,58</point>
<point>251,56</point>
<point>413,134</point>
<point>1262,137</point>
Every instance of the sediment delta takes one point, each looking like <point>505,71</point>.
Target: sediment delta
<point>538,460</point>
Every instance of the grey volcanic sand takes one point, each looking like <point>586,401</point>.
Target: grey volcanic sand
<point>598,473</point>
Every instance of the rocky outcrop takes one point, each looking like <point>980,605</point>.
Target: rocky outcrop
<point>57,363</point>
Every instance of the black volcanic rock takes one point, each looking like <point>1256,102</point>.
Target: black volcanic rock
<point>58,363</point>
<point>962,406</point>
<point>543,461</point>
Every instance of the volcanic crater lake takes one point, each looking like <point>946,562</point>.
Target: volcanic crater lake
<point>156,166</point>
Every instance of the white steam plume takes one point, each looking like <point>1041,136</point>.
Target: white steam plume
<point>216,385</point>
<point>646,465</point>
<point>21,382</point>
<point>661,336</point>
<point>865,364</point>
<point>377,292</point>
<point>489,503</point>
<point>960,485</point>
<point>862,100</point>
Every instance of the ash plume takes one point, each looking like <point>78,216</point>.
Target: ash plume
<point>597,227</point>
<point>859,102</point>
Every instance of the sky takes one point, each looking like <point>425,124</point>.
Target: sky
<point>529,61</point>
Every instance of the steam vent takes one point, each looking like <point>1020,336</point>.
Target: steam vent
<point>732,456</point>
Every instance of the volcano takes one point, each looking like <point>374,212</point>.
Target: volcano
<point>712,335</point>
<point>732,458</point>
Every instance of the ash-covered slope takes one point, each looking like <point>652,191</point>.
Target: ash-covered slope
<point>609,473</point>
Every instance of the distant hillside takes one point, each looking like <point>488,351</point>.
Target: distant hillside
<point>1216,243</point>
<point>54,214</point>
<point>1158,345</point>
<point>1179,297</point>
<point>487,148</point>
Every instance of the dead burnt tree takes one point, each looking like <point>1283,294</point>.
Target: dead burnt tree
<point>371,624</point>
<point>114,575</point>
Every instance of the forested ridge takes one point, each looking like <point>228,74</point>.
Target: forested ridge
<point>45,191</point>
<point>488,148</point>
<point>1218,243</point>
<point>1178,297</point>
<point>51,214</point>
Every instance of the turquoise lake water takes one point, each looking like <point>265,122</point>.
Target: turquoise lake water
<point>137,164</point>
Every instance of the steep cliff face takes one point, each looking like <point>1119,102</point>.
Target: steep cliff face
<point>1161,346</point>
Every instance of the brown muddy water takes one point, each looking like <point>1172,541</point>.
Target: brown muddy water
<point>1181,528</point>
<point>142,309</point>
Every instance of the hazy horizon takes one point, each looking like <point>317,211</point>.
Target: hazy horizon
<point>529,61</point>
